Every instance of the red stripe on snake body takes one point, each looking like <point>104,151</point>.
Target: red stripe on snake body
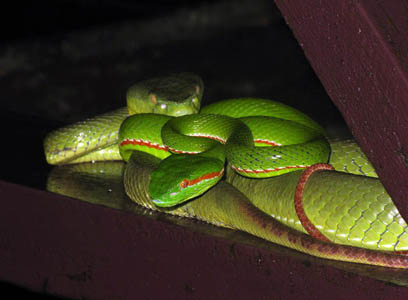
<point>186,182</point>
<point>144,143</point>
<point>266,142</point>
<point>238,169</point>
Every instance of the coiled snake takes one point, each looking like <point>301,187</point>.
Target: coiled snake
<point>352,211</point>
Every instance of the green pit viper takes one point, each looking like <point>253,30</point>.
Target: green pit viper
<point>349,207</point>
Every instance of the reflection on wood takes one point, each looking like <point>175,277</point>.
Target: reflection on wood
<point>101,183</point>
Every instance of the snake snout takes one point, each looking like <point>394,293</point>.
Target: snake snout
<point>182,112</point>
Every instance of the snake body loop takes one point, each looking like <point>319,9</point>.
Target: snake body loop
<point>351,210</point>
<point>180,178</point>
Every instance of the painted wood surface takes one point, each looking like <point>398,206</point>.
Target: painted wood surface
<point>62,246</point>
<point>359,50</point>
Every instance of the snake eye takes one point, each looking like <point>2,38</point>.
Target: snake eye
<point>154,99</point>
<point>184,183</point>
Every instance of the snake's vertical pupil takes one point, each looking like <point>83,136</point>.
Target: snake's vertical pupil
<point>154,99</point>
<point>184,183</point>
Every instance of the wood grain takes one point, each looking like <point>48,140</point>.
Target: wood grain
<point>359,50</point>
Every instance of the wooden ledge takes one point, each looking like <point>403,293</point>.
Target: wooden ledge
<point>60,246</point>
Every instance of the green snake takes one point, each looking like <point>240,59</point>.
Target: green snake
<point>350,210</point>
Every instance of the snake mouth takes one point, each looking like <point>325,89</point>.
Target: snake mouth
<point>166,203</point>
<point>182,112</point>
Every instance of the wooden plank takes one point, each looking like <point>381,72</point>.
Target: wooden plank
<point>359,50</point>
<point>61,246</point>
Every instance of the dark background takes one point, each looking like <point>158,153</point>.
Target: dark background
<point>62,61</point>
<point>65,60</point>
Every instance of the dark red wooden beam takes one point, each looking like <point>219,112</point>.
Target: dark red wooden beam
<point>359,50</point>
<point>61,246</point>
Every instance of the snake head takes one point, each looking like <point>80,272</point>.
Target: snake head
<point>182,177</point>
<point>190,106</point>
